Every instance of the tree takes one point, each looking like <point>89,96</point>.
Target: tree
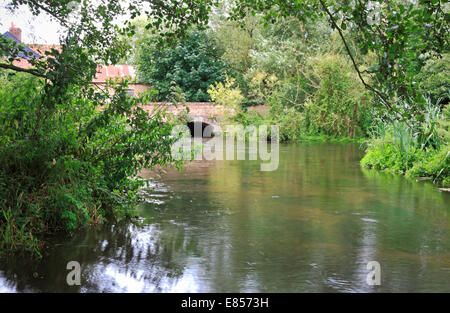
<point>402,34</point>
<point>70,153</point>
<point>434,80</point>
<point>193,65</point>
<point>89,25</point>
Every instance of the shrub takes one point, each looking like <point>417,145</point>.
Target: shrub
<point>289,119</point>
<point>414,151</point>
<point>71,165</point>
<point>434,164</point>
<point>434,79</point>
<point>340,102</point>
<point>261,86</point>
<point>193,65</point>
<point>443,127</point>
<point>224,93</point>
<point>294,91</point>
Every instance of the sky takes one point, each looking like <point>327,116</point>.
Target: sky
<point>35,29</point>
<point>40,29</point>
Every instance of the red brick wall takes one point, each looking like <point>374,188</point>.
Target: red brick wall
<point>195,108</point>
<point>138,88</point>
<point>262,109</point>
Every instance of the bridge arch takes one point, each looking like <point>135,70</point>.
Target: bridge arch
<point>203,127</point>
<point>203,114</point>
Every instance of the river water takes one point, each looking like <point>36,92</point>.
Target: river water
<point>312,225</point>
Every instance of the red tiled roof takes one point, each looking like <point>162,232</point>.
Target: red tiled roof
<point>41,49</point>
<point>113,71</point>
<point>22,63</point>
<point>104,72</point>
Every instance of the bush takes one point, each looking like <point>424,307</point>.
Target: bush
<point>324,99</point>
<point>434,164</point>
<point>443,127</point>
<point>415,151</point>
<point>294,91</point>
<point>226,94</point>
<point>340,104</point>
<point>72,164</point>
<point>193,65</point>
<point>290,121</point>
<point>434,80</point>
<point>261,86</point>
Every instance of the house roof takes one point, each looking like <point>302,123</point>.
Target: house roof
<point>22,63</point>
<point>28,54</point>
<point>41,49</point>
<point>105,72</point>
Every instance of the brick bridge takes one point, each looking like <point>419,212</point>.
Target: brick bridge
<point>200,113</point>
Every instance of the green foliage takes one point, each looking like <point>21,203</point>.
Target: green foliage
<point>443,127</point>
<point>297,68</point>
<point>413,162</point>
<point>177,96</point>
<point>226,94</point>
<point>428,133</point>
<point>76,166</point>
<point>335,104</point>
<point>414,151</point>
<point>178,99</point>
<point>434,80</point>
<point>395,149</point>
<point>70,153</point>
<point>294,91</point>
<point>261,86</point>
<point>402,35</point>
<point>340,103</point>
<point>237,42</point>
<point>280,48</point>
<point>193,65</point>
<point>435,164</point>
<point>325,98</point>
<point>290,121</point>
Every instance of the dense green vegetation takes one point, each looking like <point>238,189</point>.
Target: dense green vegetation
<point>434,80</point>
<point>70,153</point>
<point>74,167</point>
<point>192,65</point>
<point>421,151</point>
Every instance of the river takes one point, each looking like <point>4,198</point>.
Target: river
<point>312,225</point>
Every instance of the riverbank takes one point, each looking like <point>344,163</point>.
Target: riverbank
<point>431,165</point>
<point>421,151</point>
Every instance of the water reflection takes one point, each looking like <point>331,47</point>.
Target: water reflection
<point>225,226</point>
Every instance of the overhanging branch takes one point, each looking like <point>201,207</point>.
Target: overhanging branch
<point>24,70</point>
<point>347,48</point>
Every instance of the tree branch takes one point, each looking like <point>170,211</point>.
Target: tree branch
<point>24,70</point>
<point>367,86</point>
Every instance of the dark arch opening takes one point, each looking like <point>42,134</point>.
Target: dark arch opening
<point>197,129</point>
